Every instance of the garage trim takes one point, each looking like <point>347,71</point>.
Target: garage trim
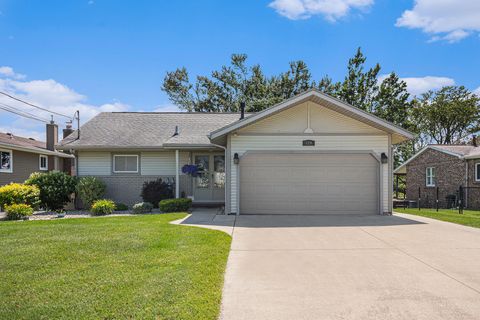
<point>370,152</point>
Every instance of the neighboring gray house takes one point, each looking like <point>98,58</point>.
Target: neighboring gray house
<point>311,154</point>
<point>22,156</point>
<point>447,167</point>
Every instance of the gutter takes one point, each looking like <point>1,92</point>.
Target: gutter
<point>37,151</point>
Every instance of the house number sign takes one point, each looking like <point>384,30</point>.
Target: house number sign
<point>308,143</point>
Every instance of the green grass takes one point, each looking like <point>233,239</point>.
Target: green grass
<point>137,267</point>
<point>468,218</point>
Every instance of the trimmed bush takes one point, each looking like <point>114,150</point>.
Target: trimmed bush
<point>102,207</point>
<point>90,189</point>
<point>175,205</point>
<point>16,193</point>
<point>55,188</point>
<point>155,191</point>
<point>18,211</point>
<point>142,207</point>
<point>121,207</point>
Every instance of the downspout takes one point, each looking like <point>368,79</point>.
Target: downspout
<point>225,188</point>
<point>466,182</point>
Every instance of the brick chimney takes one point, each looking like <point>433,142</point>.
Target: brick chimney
<point>474,141</point>
<point>68,130</point>
<point>52,135</point>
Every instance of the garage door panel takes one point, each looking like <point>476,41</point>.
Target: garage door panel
<point>308,184</point>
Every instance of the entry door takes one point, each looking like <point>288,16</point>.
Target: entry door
<point>209,185</point>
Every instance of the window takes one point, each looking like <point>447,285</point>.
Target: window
<point>430,181</point>
<point>125,163</point>
<point>43,162</point>
<point>6,161</point>
<point>477,171</point>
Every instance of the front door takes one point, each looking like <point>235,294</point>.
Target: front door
<point>209,185</point>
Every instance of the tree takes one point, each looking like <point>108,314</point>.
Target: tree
<point>224,89</point>
<point>448,115</point>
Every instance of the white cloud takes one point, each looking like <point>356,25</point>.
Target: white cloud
<point>48,94</point>
<point>167,108</point>
<point>444,20</point>
<point>9,73</point>
<point>332,10</point>
<point>418,85</point>
<point>477,91</point>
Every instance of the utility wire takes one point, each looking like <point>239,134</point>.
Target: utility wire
<point>35,106</point>
<point>21,113</point>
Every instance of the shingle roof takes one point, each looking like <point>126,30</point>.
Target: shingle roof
<point>8,140</point>
<point>147,129</point>
<point>461,150</point>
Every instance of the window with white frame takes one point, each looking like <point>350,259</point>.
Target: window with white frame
<point>477,171</point>
<point>430,174</point>
<point>6,161</point>
<point>43,162</point>
<point>125,163</point>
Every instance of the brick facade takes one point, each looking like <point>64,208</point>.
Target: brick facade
<point>450,175</point>
<point>449,171</point>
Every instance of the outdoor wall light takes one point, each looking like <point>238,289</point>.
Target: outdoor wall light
<point>383,158</point>
<point>236,159</point>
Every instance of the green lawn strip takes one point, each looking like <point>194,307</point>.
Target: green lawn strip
<point>468,218</point>
<point>111,268</point>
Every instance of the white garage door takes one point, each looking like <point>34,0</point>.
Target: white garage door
<point>308,183</point>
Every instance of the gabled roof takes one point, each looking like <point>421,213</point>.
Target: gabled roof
<point>147,130</point>
<point>459,151</point>
<point>332,103</point>
<point>10,141</point>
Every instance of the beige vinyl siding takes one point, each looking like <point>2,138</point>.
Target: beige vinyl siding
<point>162,163</point>
<point>376,143</point>
<point>94,163</point>
<point>322,120</point>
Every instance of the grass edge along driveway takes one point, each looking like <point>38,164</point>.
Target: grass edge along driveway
<point>111,268</point>
<point>469,218</point>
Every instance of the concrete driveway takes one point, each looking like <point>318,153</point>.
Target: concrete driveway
<point>347,267</point>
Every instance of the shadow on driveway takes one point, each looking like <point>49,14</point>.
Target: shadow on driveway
<point>295,221</point>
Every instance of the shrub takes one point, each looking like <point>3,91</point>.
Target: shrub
<point>155,191</point>
<point>175,205</point>
<point>90,189</point>
<point>18,211</point>
<point>142,207</point>
<point>102,207</point>
<point>121,207</point>
<point>55,188</point>
<point>16,193</point>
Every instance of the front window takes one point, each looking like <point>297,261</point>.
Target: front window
<point>6,161</point>
<point>125,163</point>
<point>43,162</point>
<point>477,171</point>
<point>430,181</point>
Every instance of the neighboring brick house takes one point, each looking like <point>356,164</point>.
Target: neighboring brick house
<point>446,167</point>
<point>19,156</point>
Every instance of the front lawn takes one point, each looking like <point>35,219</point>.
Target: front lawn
<point>137,267</point>
<point>468,218</point>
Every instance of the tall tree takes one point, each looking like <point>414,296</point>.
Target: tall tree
<point>448,115</point>
<point>224,89</point>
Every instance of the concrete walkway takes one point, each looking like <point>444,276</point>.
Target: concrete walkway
<point>331,267</point>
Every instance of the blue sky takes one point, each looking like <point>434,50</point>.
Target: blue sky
<point>101,55</point>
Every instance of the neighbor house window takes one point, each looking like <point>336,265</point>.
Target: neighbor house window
<point>477,171</point>
<point>125,163</point>
<point>43,162</point>
<point>430,181</point>
<point>6,164</point>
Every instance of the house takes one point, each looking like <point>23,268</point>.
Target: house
<point>446,168</point>
<point>311,154</point>
<point>22,156</point>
